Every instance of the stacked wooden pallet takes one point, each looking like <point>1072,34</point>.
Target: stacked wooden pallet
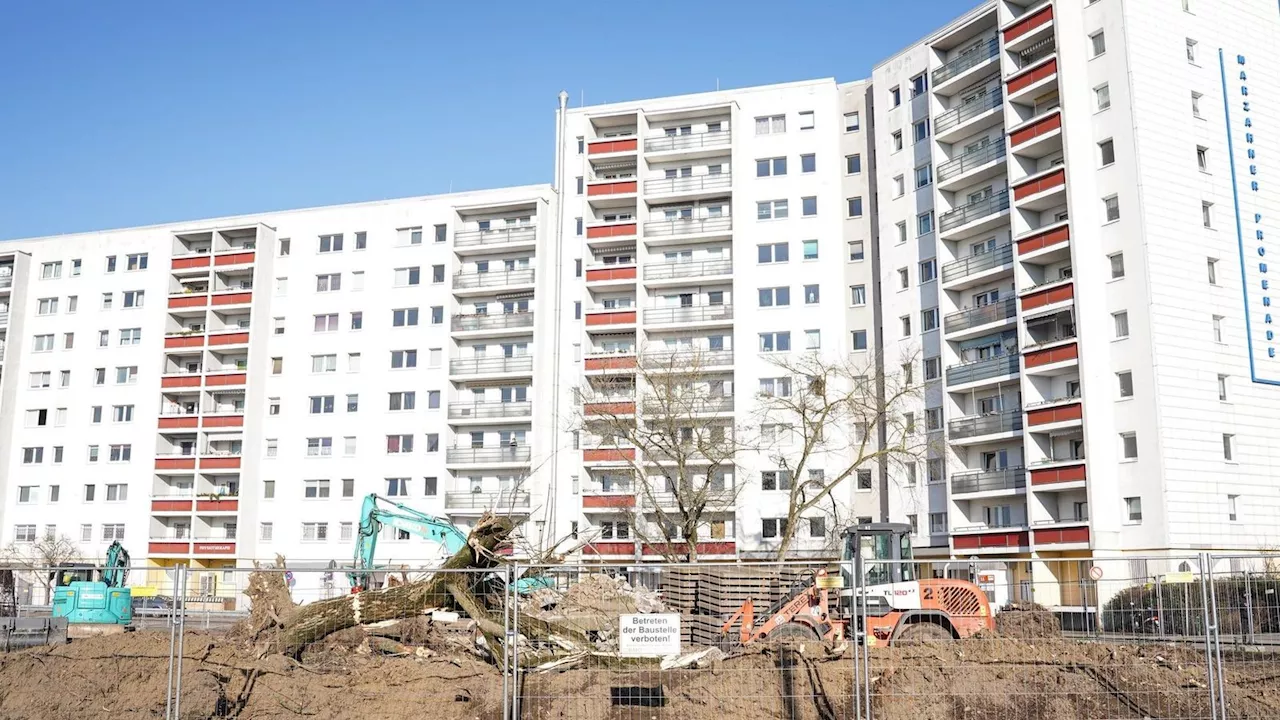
<point>708,595</point>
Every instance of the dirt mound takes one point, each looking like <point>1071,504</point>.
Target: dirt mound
<point>1027,622</point>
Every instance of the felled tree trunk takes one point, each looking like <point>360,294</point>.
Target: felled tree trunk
<point>312,622</point>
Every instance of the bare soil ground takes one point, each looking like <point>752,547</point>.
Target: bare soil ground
<point>125,678</point>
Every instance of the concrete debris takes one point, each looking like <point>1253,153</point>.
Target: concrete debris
<point>700,659</point>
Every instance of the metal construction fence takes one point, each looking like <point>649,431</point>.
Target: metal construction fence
<point>1195,636</point>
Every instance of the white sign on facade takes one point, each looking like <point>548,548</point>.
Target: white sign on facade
<point>649,635</point>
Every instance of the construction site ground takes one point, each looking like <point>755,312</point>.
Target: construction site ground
<point>125,676</point>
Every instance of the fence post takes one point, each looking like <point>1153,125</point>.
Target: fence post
<point>177,628</point>
<point>513,639</point>
<point>173,646</point>
<point>507,633</point>
<point>1209,619</point>
<point>1217,643</point>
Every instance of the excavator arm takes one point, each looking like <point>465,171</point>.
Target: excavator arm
<point>373,518</point>
<point>116,569</point>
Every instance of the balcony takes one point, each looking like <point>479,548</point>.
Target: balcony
<point>468,281</point>
<point>1058,360</point>
<point>612,144</point>
<point>1055,416</point>
<point>964,169</point>
<point>1045,245</point>
<point>995,423</point>
<point>974,218</point>
<point>983,538</point>
<point>1039,136</point>
<point>979,55</point>
<point>725,497</point>
<point>680,270</point>
<point>968,118</point>
<point>6,281</point>
<point>688,405</point>
<point>690,142</point>
<point>980,316</point>
<point>469,323</point>
<point>481,501</point>
<point>690,360</point>
<point>1041,191</point>
<point>614,229</point>
<point>1047,294</point>
<point>989,481</point>
<point>1057,474</point>
<point>499,236</point>
<point>1028,29</point>
<point>476,411</point>
<point>694,314</point>
<point>976,267</point>
<point>693,185</point>
<point>487,455</point>
<point>690,226</point>
<point>610,361</point>
<point>1073,532</point>
<point>980,370</point>
<point>601,317</point>
<point>494,365</point>
<point>611,274</point>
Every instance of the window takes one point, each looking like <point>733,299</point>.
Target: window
<point>771,210</point>
<point>398,487</point>
<point>1125,381</point>
<point>812,339</point>
<point>404,358</point>
<point>1121,320</point>
<point>73,303</point>
<point>933,419</point>
<point>852,122</point>
<point>895,96</point>
<point>1222,388</point>
<point>1098,43</point>
<point>932,368</point>
<point>906,325</point>
<point>1202,158</point>
<point>1117,265</point>
<point>920,130</point>
<point>353,403</point>
<point>404,317</point>
<point>1191,51</point>
<point>1133,509</point>
<point>326,323</point>
<point>47,306</point>
<point>864,479</point>
<point>857,250</point>
<point>924,175</point>
<point>407,276</point>
<point>28,494</point>
<point>1228,447</point>
<point>811,295</point>
<point>775,480</point>
<point>321,404</point>
<point>64,378</point>
<point>775,387</point>
<point>117,492</point>
<point>1102,97</point>
<point>319,446</point>
<point>331,282</point>
<point>331,243</point>
<point>51,271</point>
<point>120,453</point>
<point>43,343</point>
<point>127,375</point>
<point>353,362</point>
<point>1107,152</point>
<point>324,363</point>
<point>1112,207</point>
<point>268,489</point>
<point>273,447</point>
<point>315,532</point>
<point>859,338</point>
<point>104,338</point>
<point>1129,446</point>
<point>277,365</point>
<point>1206,214</point>
<point>929,319</point>
<point>265,532</point>
<point>775,297</point>
<point>775,342</point>
<point>111,264</point>
<point>1217,328</point>
<point>99,376</point>
<point>406,400</point>
<point>928,270</point>
<point>39,380</point>
<point>399,444</point>
<point>924,223</point>
<point>37,418</point>
<point>775,253</point>
<point>773,527</point>
<point>24,533</point>
<point>809,249</point>
<point>771,167</point>
<point>808,163</point>
<point>806,119</point>
<point>1232,510</point>
<point>437,314</point>
<point>904,278</point>
<point>285,246</point>
<point>858,295</point>
<point>771,124</point>
<point>134,298</point>
<point>122,413</point>
<point>896,138</point>
<point>437,274</point>
<point>1195,104</point>
<point>1212,266</point>
<point>855,207</point>
<point>348,446</point>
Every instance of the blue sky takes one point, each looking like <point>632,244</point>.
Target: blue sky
<point>119,114</point>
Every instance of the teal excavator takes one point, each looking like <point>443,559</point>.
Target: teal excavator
<point>82,600</point>
<point>373,517</point>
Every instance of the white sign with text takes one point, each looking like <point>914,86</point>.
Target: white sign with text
<point>649,635</point>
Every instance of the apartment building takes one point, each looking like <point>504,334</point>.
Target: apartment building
<point>1048,218</point>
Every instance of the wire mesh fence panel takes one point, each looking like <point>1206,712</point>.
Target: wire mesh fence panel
<point>681,641</point>
<point>1244,591</point>
<point>1042,638</point>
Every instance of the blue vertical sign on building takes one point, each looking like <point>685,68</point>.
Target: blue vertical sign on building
<point>1248,185</point>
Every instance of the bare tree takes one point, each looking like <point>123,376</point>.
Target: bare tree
<point>39,559</point>
<point>822,411</point>
<point>669,430</point>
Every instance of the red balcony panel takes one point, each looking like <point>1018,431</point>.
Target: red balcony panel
<point>1049,296</point>
<point>170,506</point>
<point>608,231</point>
<point>1052,355</point>
<point>1045,239</point>
<point>611,146</point>
<point>186,301</point>
<point>223,421</point>
<point>184,341</point>
<point>610,548</point>
<point>612,188</point>
<point>219,463</point>
<point>239,258</point>
<point>180,381</point>
<point>182,263</point>
<point>611,318</point>
<point>1031,77</point>
<point>1063,413</point>
<point>1049,476</point>
<point>609,455</point>
<point>235,298</point>
<point>703,548</point>
<point>611,363</point>
<point>168,548</point>
<point>229,338</point>
<point>175,463</point>
<point>1035,187</point>
<point>1029,23</point>
<point>232,379</point>
<point>987,541</point>
<point>616,408</point>
<point>1060,536</point>
<point>214,548</point>
<point>179,422</point>
<point>217,505</point>
<point>608,501</point>
<point>622,273</point>
<point>1035,130</point>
